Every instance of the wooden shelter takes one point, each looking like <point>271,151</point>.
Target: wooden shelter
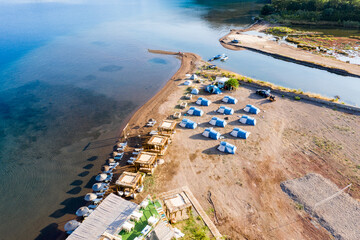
<point>128,183</point>
<point>157,144</point>
<point>167,128</point>
<point>146,162</point>
<point>177,207</point>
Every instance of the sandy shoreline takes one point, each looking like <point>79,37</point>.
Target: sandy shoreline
<point>285,52</point>
<point>246,186</point>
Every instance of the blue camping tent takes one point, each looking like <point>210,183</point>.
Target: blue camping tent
<point>215,121</point>
<point>212,89</point>
<point>251,109</point>
<point>247,120</point>
<point>186,123</point>
<point>230,100</point>
<point>225,110</point>
<point>203,101</point>
<point>210,133</point>
<point>227,148</point>
<point>195,91</point>
<point>195,111</point>
<point>239,133</point>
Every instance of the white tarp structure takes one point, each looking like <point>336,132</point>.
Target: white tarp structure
<point>107,217</point>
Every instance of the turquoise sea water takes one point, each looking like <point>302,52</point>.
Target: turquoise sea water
<point>72,71</point>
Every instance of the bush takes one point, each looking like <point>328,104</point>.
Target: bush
<point>297,98</point>
<point>232,83</point>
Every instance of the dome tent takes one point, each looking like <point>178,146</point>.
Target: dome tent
<point>215,121</point>
<point>231,100</point>
<point>195,91</point>
<point>225,110</point>
<point>203,101</point>
<point>212,89</point>
<point>239,133</point>
<point>210,133</point>
<point>195,111</point>
<point>251,109</point>
<point>194,77</point>
<point>227,148</point>
<point>247,120</point>
<point>186,123</point>
<point>187,83</point>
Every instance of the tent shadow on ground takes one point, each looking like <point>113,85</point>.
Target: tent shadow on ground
<point>70,206</point>
<point>51,231</point>
<point>199,136</point>
<point>213,150</point>
<point>221,102</point>
<point>214,113</point>
<point>235,123</point>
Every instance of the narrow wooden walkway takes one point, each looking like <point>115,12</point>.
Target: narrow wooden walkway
<point>213,229</point>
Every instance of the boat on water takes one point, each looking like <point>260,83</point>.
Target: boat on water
<point>224,58</point>
<point>220,56</point>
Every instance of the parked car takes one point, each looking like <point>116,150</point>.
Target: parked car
<point>263,93</point>
<point>266,94</point>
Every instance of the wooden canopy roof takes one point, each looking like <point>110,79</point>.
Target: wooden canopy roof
<point>145,158</point>
<point>158,140</point>
<point>128,179</point>
<point>167,125</point>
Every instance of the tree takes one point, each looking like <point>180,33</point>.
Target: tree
<point>232,83</point>
<point>267,10</point>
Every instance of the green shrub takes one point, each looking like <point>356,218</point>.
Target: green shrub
<point>297,98</point>
<point>232,83</point>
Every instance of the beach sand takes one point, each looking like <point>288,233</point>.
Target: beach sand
<point>286,52</point>
<point>291,139</point>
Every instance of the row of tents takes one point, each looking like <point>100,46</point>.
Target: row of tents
<point>210,132</point>
<point>222,109</point>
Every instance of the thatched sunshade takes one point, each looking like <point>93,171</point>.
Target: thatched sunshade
<point>167,126</point>
<point>98,186</point>
<point>82,211</point>
<point>71,225</point>
<point>101,177</point>
<point>157,140</point>
<point>106,168</point>
<point>111,160</point>
<point>90,197</point>
<point>146,158</point>
<point>129,180</point>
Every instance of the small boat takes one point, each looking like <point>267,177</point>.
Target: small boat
<point>224,58</point>
<point>218,56</point>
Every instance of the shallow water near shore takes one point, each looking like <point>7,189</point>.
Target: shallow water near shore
<point>72,72</point>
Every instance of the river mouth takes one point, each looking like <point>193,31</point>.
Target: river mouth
<point>71,74</point>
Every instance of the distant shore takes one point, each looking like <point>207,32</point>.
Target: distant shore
<point>285,52</point>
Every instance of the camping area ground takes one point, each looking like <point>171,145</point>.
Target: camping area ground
<point>291,138</point>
